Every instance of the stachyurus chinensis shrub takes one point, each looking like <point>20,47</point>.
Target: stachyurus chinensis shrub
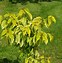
<point>26,32</point>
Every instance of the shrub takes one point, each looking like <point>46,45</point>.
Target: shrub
<point>26,33</point>
<point>35,1</point>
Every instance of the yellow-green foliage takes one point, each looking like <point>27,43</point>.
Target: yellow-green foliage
<point>35,57</point>
<point>22,29</point>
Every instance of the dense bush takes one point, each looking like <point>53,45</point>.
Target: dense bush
<point>32,1</point>
<point>26,33</point>
<point>36,1</point>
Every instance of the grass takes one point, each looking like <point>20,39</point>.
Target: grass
<point>43,9</point>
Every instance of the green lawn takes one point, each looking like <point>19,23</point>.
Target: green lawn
<point>43,9</point>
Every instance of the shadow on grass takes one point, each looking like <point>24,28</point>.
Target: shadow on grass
<point>5,60</point>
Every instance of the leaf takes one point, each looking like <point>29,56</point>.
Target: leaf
<point>28,13</point>
<point>14,23</point>
<point>18,29</point>
<point>21,27</point>
<point>42,57</point>
<point>38,36</point>
<point>24,30</point>
<point>4,24</point>
<point>49,21</point>
<point>48,60</point>
<point>11,36</point>
<point>36,21</point>
<point>21,43</point>
<point>37,54</point>
<point>21,13</point>
<point>44,38</point>
<point>4,32</point>
<point>26,60</point>
<point>29,40</point>
<point>32,52</point>
<point>52,19</point>
<point>23,21</point>
<point>13,16</point>
<point>9,20</point>
<point>34,41</point>
<point>35,61</point>
<point>12,39</point>
<point>28,31</point>
<point>6,15</point>
<point>18,38</point>
<point>21,55</point>
<point>1,18</point>
<point>45,23</point>
<point>50,36</point>
<point>30,61</point>
<point>36,27</point>
<point>42,61</point>
<point>30,43</point>
<point>24,33</point>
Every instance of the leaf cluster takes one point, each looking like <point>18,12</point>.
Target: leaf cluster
<point>24,31</point>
